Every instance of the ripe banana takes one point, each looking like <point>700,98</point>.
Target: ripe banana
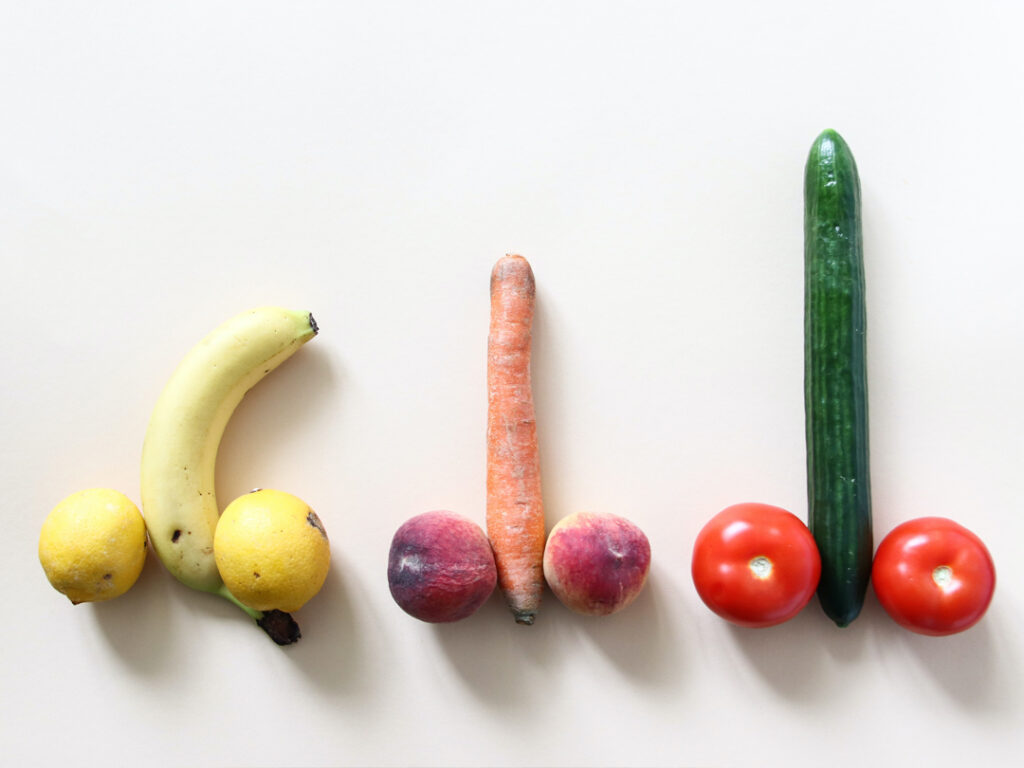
<point>179,455</point>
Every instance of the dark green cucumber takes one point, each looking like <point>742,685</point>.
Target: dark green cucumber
<point>835,378</point>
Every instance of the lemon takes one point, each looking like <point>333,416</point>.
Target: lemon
<point>92,545</point>
<point>271,550</point>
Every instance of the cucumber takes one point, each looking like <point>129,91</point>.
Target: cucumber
<point>835,378</point>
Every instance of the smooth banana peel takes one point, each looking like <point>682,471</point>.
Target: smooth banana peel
<point>179,455</point>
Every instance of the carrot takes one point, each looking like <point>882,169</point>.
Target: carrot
<point>515,512</point>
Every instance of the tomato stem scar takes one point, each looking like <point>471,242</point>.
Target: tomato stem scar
<point>943,576</point>
<point>761,567</point>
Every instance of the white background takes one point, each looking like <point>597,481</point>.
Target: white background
<point>164,166</point>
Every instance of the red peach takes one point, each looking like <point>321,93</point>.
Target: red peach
<point>440,567</point>
<point>596,564</point>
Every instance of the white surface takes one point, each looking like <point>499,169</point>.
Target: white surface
<point>166,165</point>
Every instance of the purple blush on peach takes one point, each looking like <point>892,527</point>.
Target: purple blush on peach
<point>440,567</point>
<point>595,563</point>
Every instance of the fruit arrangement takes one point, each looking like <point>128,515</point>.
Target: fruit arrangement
<point>931,575</point>
<point>755,565</point>
<point>179,498</point>
<point>442,568</point>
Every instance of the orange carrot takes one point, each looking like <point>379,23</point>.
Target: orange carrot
<point>515,512</point>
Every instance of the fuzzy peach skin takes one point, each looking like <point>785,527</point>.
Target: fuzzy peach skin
<point>596,563</point>
<point>441,567</point>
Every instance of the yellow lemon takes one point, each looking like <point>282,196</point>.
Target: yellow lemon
<point>92,545</point>
<point>271,550</point>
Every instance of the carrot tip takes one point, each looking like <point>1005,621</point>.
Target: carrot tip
<point>514,270</point>
<point>524,617</point>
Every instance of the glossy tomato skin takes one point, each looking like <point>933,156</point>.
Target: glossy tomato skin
<point>925,600</point>
<point>730,563</point>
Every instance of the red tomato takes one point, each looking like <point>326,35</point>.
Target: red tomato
<point>933,576</point>
<point>755,565</point>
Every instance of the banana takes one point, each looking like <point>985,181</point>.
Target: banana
<point>179,454</point>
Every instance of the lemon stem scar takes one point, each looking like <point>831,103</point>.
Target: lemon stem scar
<point>761,567</point>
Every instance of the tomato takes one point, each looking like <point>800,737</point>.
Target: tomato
<point>933,576</point>
<point>755,565</point>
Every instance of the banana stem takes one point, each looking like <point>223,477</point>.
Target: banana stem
<point>223,592</point>
<point>280,626</point>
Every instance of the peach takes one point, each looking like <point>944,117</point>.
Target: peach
<point>441,567</point>
<point>595,563</point>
